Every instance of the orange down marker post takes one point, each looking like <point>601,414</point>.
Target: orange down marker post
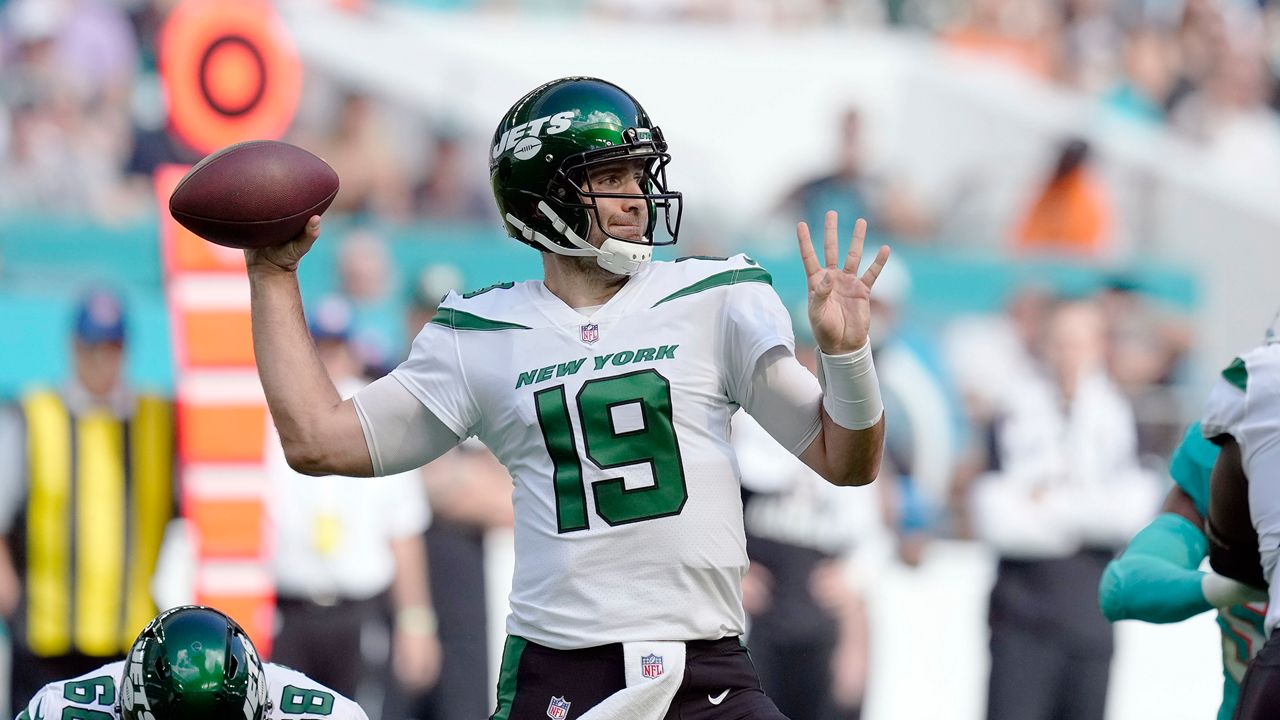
<point>231,74</point>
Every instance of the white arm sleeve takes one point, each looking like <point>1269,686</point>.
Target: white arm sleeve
<point>784,398</point>
<point>764,465</point>
<point>399,430</point>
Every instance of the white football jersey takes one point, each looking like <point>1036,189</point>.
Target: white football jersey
<point>1253,419</point>
<point>92,696</point>
<point>1224,407</point>
<point>615,430</point>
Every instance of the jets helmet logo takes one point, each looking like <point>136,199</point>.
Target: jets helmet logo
<point>524,137</point>
<point>133,693</point>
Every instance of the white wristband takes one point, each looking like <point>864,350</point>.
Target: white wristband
<point>1223,592</point>
<point>850,390</point>
<point>416,620</point>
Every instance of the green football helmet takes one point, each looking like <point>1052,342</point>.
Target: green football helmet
<point>192,663</point>
<point>542,151</point>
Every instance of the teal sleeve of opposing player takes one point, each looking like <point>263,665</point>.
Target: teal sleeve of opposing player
<point>1156,579</point>
<point>1191,465</point>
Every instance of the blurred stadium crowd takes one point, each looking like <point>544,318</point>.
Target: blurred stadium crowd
<point>974,401</point>
<point>84,115</point>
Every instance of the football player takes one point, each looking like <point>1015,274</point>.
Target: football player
<point>1246,545</point>
<point>606,389</point>
<point>1158,577</point>
<point>190,663</point>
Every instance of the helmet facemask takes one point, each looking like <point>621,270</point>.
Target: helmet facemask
<point>575,172</point>
<point>572,209</point>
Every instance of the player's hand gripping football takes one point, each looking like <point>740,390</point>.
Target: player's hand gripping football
<point>839,300</point>
<point>284,256</point>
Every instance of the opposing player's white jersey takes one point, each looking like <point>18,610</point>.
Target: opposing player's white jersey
<point>615,429</point>
<point>1224,408</point>
<point>92,696</point>
<point>1253,420</point>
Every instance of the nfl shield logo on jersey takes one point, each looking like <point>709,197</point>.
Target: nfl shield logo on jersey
<point>590,333</point>
<point>651,666</point>
<point>558,709</point>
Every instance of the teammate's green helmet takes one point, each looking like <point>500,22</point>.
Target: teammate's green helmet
<point>192,663</point>
<point>541,152</point>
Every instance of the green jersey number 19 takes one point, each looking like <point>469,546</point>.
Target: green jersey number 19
<point>653,442</point>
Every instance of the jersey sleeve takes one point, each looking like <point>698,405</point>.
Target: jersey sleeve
<point>1191,465</point>
<point>785,399</point>
<point>755,321</point>
<point>1156,578</point>
<point>435,375</point>
<point>1225,407</point>
<point>91,694</point>
<point>295,695</point>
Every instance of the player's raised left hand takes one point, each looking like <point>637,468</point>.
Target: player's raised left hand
<point>839,300</point>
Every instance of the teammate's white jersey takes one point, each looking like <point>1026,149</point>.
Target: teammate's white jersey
<point>93,695</point>
<point>615,430</point>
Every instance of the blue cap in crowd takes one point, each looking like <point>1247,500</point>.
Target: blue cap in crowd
<point>331,320</point>
<point>100,318</point>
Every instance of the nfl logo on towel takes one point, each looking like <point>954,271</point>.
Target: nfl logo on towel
<point>558,709</point>
<point>590,333</point>
<point>651,666</point>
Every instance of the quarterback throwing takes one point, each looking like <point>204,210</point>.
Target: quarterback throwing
<point>606,389</point>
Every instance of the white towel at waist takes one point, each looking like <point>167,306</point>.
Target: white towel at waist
<point>648,695</point>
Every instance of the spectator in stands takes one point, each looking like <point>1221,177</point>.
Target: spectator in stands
<point>449,190</point>
<point>1149,73</point>
<point>97,46</point>
<point>1071,214</point>
<point>367,280</point>
<point>1064,493</point>
<point>1091,42</point>
<point>1019,33</point>
<point>1148,345</point>
<point>347,555</point>
<point>1201,37</point>
<point>38,169</point>
<point>1229,113</point>
<point>851,191</point>
<point>86,491</point>
<point>360,149</point>
<point>70,69</point>
<point>470,494</point>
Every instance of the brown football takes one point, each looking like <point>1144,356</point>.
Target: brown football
<point>253,194</point>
